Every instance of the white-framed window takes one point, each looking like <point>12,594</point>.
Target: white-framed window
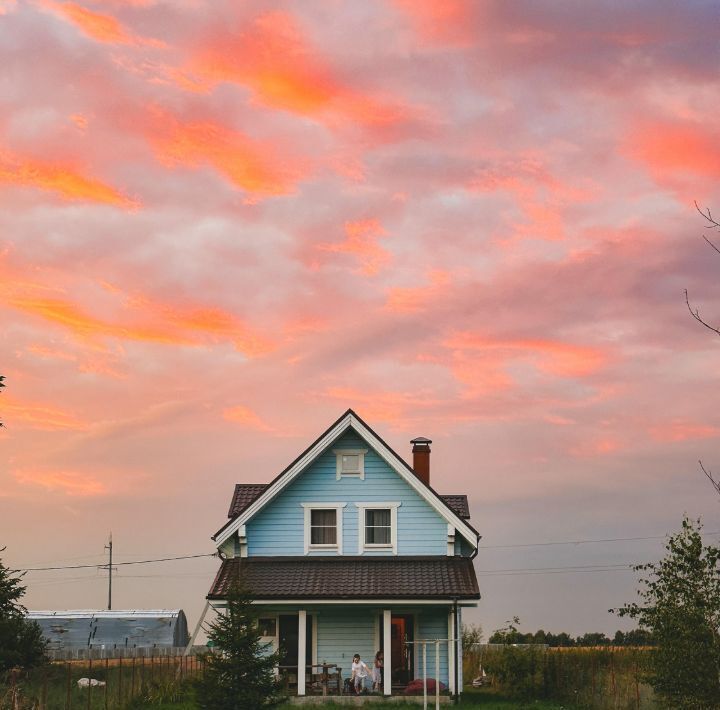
<point>323,527</point>
<point>377,527</point>
<point>267,625</point>
<point>350,462</point>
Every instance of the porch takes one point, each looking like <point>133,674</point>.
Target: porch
<point>415,640</point>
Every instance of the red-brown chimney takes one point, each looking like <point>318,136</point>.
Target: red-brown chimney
<point>421,458</point>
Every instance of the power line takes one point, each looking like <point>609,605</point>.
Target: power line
<point>556,571</point>
<point>118,564</point>
<point>579,542</point>
<point>569,569</point>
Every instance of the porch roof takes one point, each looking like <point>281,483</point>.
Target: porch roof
<point>349,577</point>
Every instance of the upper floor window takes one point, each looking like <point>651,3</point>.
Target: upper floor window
<point>377,526</point>
<point>323,526</point>
<point>350,462</point>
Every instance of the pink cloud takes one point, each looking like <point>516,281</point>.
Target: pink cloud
<point>254,166</point>
<point>361,242</point>
<point>682,430</point>
<point>276,62</point>
<point>246,418</point>
<point>68,483</point>
<point>63,180</point>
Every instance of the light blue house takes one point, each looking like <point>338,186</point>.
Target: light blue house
<point>350,550</point>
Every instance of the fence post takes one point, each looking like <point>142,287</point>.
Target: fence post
<point>68,696</point>
<point>120,681</point>
<point>132,685</point>
<point>637,687</point>
<point>89,697</point>
<point>612,679</point>
<point>437,675</point>
<point>424,675</point>
<point>43,700</point>
<point>107,680</point>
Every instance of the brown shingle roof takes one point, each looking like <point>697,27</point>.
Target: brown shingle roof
<point>350,577</point>
<point>459,505</point>
<point>246,493</point>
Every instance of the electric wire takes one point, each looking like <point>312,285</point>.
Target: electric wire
<point>117,564</point>
<point>579,542</point>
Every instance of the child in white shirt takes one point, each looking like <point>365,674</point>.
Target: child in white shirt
<point>360,671</point>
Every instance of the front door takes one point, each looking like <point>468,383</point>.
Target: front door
<point>402,633</point>
<point>288,640</point>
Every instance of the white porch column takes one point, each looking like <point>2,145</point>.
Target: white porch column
<point>387,652</point>
<point>451,653</point>
<point>302,643</point>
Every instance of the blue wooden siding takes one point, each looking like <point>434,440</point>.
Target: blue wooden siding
<point>343,632</point>
<point>432,625</point>
<point>278,529</point>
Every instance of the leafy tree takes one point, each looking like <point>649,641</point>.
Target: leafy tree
<point>21,642</point>
<point>470,635</point>
<point>509,633</point>
<point>680,605</point>
<point>240,675</point>
<point>593,639</point>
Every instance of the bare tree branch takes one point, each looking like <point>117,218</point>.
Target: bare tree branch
<point>707,216</point>
<point>696,315</point>
<point>715,484</point>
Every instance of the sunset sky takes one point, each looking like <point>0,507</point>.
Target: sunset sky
<point>224,223</point>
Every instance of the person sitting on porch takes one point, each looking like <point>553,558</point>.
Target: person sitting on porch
<point>360,671</point>
<point>377,670</point>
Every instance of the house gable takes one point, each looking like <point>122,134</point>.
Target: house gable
<point>359,436</point>
<point>278,529</point>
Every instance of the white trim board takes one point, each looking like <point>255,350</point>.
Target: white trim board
<point>397,464</point>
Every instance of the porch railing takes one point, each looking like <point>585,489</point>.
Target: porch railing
<point>326,680</point>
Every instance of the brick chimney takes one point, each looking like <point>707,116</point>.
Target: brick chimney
<point>421,458</point>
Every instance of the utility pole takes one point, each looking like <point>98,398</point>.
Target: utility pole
<point>108,547</point>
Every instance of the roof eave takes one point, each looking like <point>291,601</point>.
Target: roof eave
<point>347,420</point>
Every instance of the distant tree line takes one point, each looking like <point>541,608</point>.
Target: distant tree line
<point>636,637</point>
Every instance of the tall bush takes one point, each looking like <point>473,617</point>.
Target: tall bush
<point>680,605</point>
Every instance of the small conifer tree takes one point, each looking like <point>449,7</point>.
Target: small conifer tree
<point>239,674</point>
<point>21,641</point>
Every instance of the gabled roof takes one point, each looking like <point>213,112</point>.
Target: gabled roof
<point>459,503</point>
<point>349,420</point>
<point>349,577</point>
<point>246,493</point>
<point>243,495</point>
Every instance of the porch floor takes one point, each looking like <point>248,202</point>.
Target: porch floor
<point>366,699</point>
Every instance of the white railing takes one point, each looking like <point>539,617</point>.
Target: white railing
<point>436,643</point>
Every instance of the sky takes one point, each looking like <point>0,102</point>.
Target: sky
<point>222,224</point>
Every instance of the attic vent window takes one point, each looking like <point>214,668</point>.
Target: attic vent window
<point>350,462</point>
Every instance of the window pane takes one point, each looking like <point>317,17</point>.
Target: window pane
<point>267,627</point>
<point>377,517</point>
<point>350,463</point>
<point>323,517</point>
<point>323,529</point>
<point>323,536</point>
<point>377,536</point>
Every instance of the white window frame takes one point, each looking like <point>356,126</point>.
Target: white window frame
<point>338,507</point>
<point>367,547</point>
<point>360,473</point>
<point>275,618</point>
